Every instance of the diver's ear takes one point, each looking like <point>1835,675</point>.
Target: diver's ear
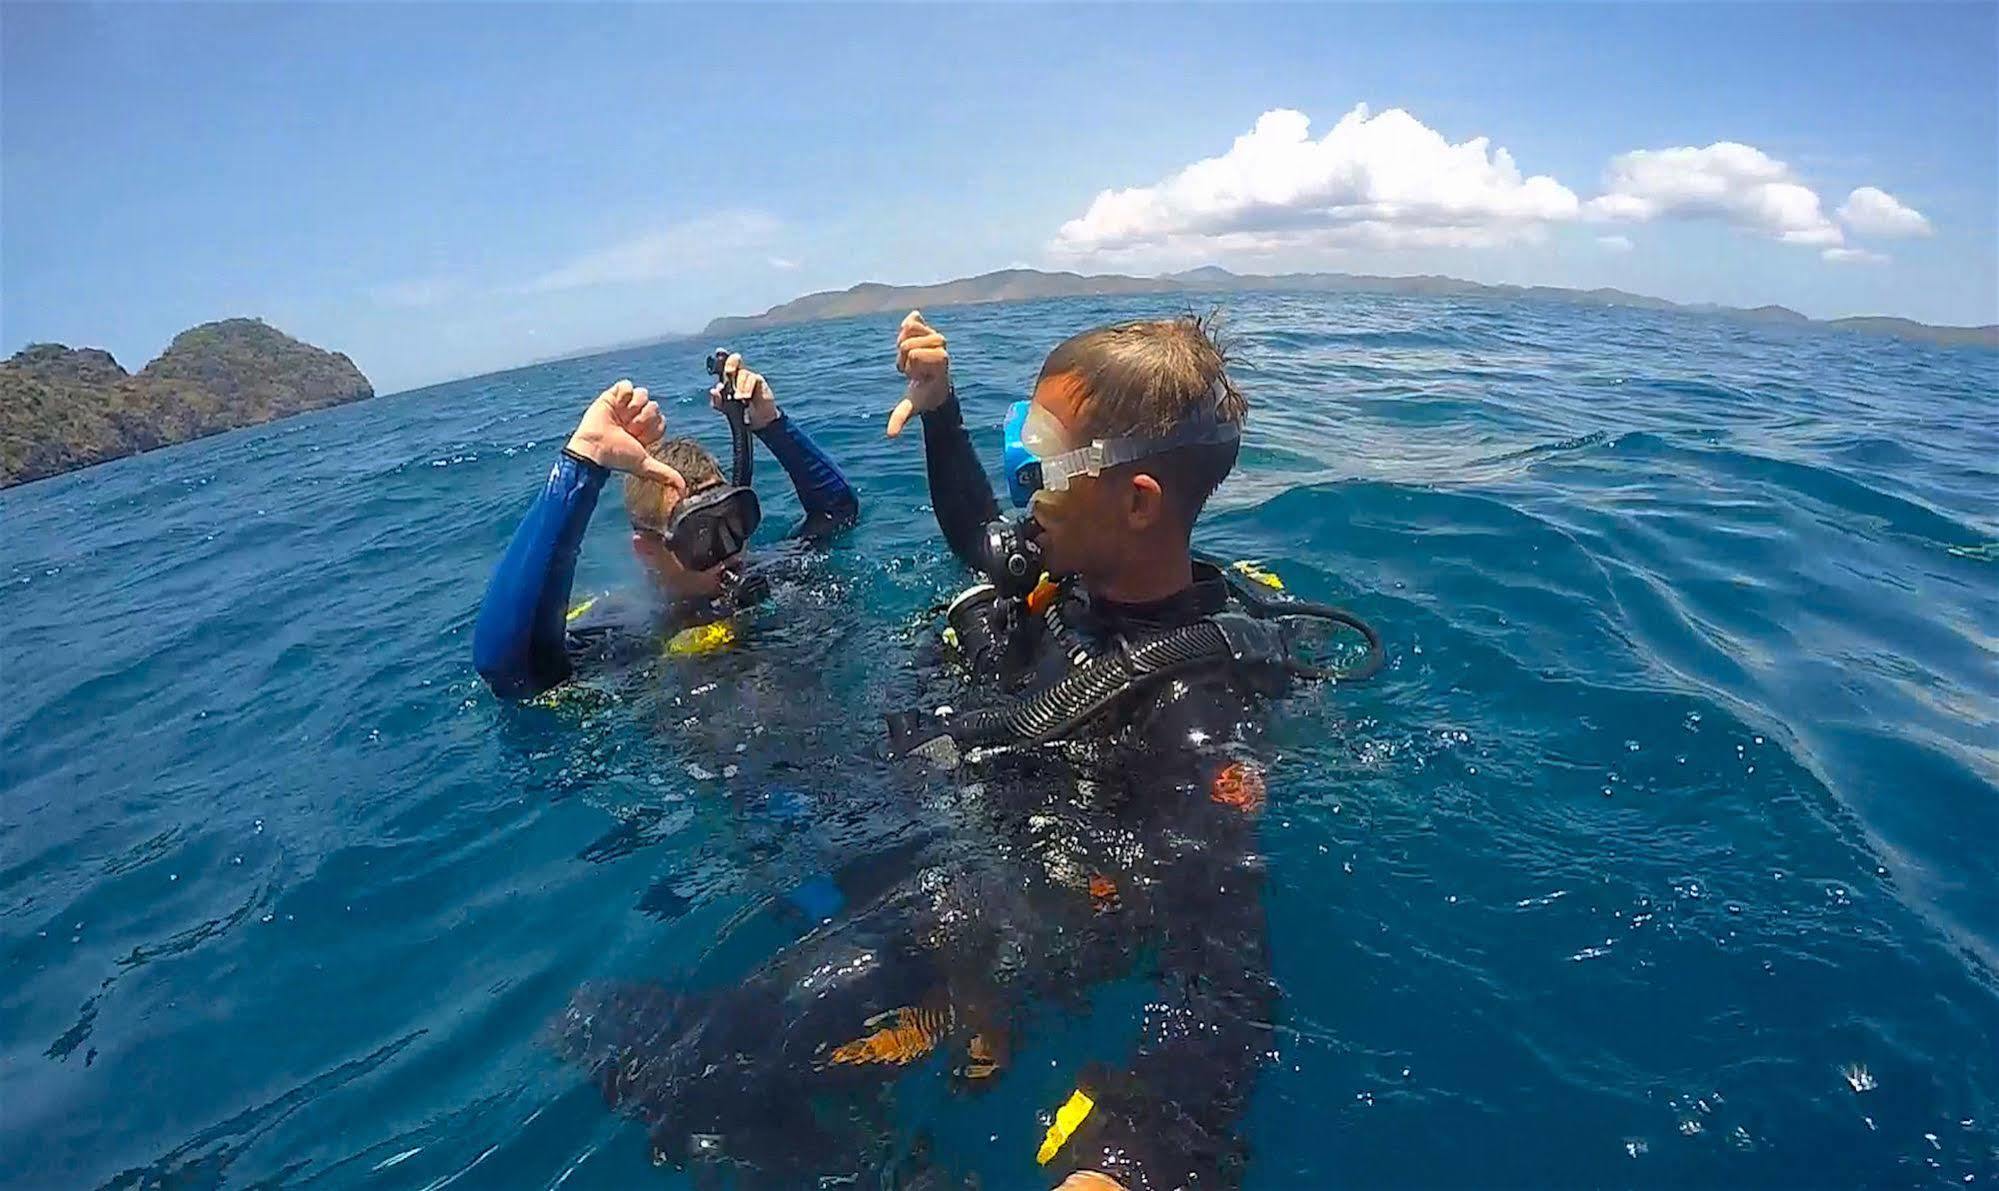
<point>646,547</point>
<point>1145,503</point>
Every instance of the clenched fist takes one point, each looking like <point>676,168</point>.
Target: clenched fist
<point>921,356</point>
<point>740,384</point>
<point>617,432</point>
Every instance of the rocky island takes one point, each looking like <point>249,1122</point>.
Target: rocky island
<point>62,408</point>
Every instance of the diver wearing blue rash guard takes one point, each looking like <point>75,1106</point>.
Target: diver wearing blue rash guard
<point>1104,824</point>
<point>689,523</point>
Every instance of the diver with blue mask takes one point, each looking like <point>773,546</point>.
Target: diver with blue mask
<point>1065,567</point>
<point>689,524</point>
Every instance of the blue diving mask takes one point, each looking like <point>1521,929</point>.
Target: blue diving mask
<point>1033,457</point>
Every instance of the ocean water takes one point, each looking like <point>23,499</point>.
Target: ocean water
<point>1663,854</point>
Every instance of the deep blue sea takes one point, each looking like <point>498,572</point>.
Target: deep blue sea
<point>1662,855</point>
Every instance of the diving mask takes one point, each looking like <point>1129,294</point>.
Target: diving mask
<point>709,527</point>
<point>1035,453</point>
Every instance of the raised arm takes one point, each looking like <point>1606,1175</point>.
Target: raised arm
<point>959,490</point>
<point>518,642</point>
<point>829,501</point>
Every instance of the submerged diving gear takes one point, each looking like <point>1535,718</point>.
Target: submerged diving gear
<point>1074,1111</point>
<point>1033,458</point>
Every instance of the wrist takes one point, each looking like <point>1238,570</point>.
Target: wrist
<point>586,458</point>
<point>582,450</point>
<point>945,411</point>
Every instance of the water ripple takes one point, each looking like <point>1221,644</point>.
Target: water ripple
<point>1659,855</point>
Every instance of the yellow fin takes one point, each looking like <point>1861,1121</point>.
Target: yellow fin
<point>1067,1119</point>
<point>581,608</point>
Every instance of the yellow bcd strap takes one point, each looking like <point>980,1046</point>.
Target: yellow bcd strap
<point>702,638</point>
<point>1254,572</point>
<point>581,608</point>
<point>1068,1119</point>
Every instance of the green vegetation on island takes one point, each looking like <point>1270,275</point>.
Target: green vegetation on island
<point>62,408</point>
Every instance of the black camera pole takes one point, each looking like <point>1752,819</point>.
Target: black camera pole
<point>742,453</point>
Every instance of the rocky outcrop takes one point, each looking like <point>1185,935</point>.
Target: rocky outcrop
<point>62,408</point>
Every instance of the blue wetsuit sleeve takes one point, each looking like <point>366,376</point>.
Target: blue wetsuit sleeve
<point>518,643</point>
<point>830,503</point>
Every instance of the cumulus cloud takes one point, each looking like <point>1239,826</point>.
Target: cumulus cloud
<point>1870,211</point>
<point>1381,180</point>
<point>1389,181</point>
<point>663,252</point>
<point>1733,182</point>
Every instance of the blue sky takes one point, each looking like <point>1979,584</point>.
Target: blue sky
<point>444,190</point>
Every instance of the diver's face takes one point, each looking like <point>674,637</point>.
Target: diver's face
<point>675,580</point>
<point>1084,527</point>
<point>666,571</point>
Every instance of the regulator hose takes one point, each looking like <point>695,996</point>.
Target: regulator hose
<point>1272,608</point>
<point>1368,666</point>
<point>1264,637</point>
<point>1058,710</point>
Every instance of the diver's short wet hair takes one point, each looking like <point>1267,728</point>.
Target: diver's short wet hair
<point>1147,378</point>
<point>649,502</point>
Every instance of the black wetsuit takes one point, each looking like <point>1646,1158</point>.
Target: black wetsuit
<point>1178,849</point>
<point>1053,869</point>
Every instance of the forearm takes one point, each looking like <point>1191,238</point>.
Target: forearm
<point>959,490</point>
<point>518,640</point>
<point>827,498</point>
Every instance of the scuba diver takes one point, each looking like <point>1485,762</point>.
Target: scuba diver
<point>1101,719</point>
<point>689,525</point>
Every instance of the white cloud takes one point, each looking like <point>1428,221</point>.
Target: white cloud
<point>1874,212</point>
<point>664,252</point>
<point>783,262</point>
<point>417,292</point>
<point>1733,182</point>
<point>1385,180</point>
<point>1389,181</point>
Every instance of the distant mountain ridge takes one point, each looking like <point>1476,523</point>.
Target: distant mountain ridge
<point>1015,285</point>
<point>63,408</point>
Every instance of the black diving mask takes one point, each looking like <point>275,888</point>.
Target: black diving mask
<point>710,527</point>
